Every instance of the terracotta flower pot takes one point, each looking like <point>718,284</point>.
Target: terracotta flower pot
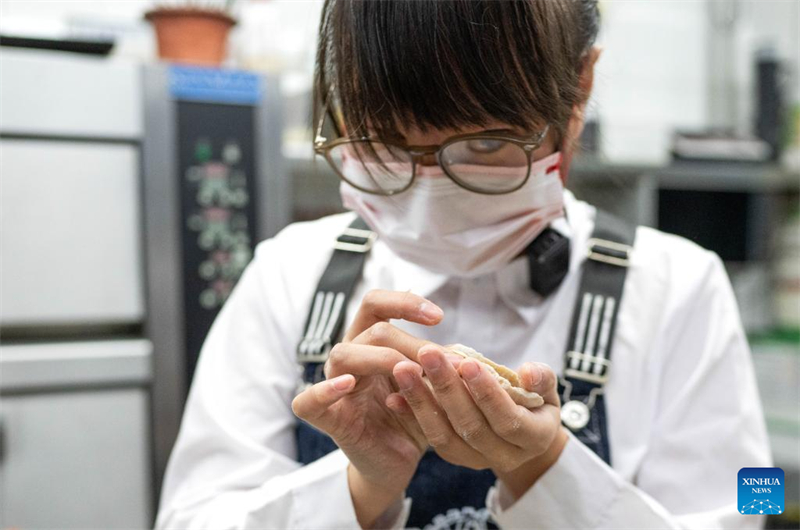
<point>191,35</point>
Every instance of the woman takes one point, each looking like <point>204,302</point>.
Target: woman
<point>495,92</point>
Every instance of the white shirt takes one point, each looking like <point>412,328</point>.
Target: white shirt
<point>684,413</point>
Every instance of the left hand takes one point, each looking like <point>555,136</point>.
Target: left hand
<point>471,421</point>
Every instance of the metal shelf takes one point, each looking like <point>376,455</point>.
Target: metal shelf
<point>683,175</point>
<point>766,178</point>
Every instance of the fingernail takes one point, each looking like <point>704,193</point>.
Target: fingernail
<point>341,383</point>
<point>470,370</point>
<point>404,380</point>
<point>431,311</point>
<point>430,360</point>
<point>538,372</point>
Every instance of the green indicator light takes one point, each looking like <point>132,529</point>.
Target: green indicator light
<point>202,151</point>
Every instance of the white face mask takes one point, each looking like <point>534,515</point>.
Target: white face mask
<point>445,228</point>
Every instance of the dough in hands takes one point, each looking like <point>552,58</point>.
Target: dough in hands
<point>507,377</point>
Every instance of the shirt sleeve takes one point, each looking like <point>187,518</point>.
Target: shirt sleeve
<point>709,424</point>
<point>233,465</point>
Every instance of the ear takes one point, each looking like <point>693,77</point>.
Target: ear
<point>585,84</point>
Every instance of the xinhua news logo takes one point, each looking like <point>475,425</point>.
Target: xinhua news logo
<point>761,490</point>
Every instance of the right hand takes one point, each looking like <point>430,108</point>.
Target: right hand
<point>357,404</point>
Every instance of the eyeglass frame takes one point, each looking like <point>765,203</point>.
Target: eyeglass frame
<point>323,147</point>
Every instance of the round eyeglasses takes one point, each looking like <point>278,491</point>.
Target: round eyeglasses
<point>388,169</point>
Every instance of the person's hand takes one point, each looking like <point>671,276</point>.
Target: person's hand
<point>353,406</point>
<point>471,421</point>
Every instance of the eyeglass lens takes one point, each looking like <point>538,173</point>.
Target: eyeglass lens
<point>373,166</point>
<point>486,164</point>
<point>381,168</point>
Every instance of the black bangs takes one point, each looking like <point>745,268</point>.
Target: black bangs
<point>450,64</point>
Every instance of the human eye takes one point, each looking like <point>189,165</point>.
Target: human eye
<point>485,145</point>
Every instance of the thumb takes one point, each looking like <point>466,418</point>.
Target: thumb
<point>313,405</point>
<point>540,378</point>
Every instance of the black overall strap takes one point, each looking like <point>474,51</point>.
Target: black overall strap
<point>587,361</point>
<point>326,318</point>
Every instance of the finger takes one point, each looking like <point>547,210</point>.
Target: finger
<point>313,404</point>
<point>361,359</point>
<point>398,404</point>
<point>382,306</point>
<point>508,420</point>
<point>540,378</point>
<point>405,416</point>
<point>385,334</point>
<point>462,411</point>
<point>432,418</point>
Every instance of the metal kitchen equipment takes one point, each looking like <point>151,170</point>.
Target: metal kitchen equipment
<point>213,188</point>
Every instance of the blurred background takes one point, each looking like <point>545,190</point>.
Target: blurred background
<point>146,148</point>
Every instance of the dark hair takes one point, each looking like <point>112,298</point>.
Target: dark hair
<point>452,63</point>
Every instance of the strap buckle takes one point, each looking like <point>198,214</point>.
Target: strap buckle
<point>314,351</point>
<point>368,237</point>
<point>609,252</point>
<point>598,377</point>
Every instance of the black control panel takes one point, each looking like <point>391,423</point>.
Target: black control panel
<point>217,171</point>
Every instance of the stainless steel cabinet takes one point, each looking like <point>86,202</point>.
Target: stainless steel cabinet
<point>75,414</point>
<point>58,94</point>
<point>75,435</point>
<point>70,207</point>
<point>71,229</point>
